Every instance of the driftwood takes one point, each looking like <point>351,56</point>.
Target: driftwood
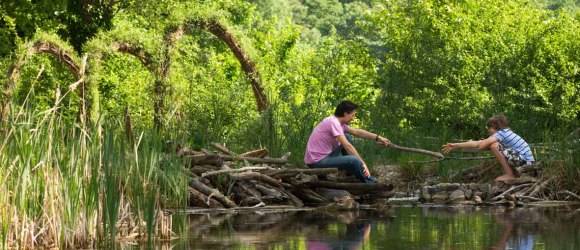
<point>350,186</point>
<point>296,171</point>
<point>222,148</point>
<point>258,153</point>
<point>541,186</point>
<point>257,176</point>
<point>210,192</point>
<point>416,150</point>
<point>254,159</point>
<point>511,189</point>
<point>224,171</point>
<point>263,185</point>
<point>250,188</point>
<point>570,193</point>
<point>197,198</point>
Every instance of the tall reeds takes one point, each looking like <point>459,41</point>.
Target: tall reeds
<point>65,185</point>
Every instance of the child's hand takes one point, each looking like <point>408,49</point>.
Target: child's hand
<point>366,172</point>
<point>383,141</point>
<point>448,147</point>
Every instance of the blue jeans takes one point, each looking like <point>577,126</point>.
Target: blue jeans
<point>348,163</point>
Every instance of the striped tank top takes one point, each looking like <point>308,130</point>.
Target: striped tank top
<point>510,139</point>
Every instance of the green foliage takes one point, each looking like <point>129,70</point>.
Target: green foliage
<point>452,65</point>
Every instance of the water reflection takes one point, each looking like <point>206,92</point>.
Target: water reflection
<point>395,228</point>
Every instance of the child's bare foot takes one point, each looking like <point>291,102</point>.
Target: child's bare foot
<point>504,177</point>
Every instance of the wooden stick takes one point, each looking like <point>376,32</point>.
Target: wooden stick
<point>302,171</point>
<point>350,186</point>
<point>254,160</point>
<point>257,176</point>
<point>198,185</point>
<point>512,189</point>
<point>519,197</point>
<point>223,171</point>
<point>222,148</point>
<point>258,153</point>
<point>416,150</point>
<point>541,186</point>
<point>457,158</point>
<point>570,193</point>
<point>200,199</point>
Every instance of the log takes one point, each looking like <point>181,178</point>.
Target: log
<point>302,171</point>
<point>258,153</point>
<point>258,177</point>
<point>249,188</point>
<point>224,171</point>
<point>201,169</point>
<point>521,180</point>
<point>266,191</point>
<point>295,201</point>
<point>308,195</point>
<point>245,197</point>
<point>350,186</point>
<point>222,148</point>
<point>416,150</point>
<point>197,198</point>
<point>210,192</point>
<point>254,159</point>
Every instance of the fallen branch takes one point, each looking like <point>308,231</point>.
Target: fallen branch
<point>222,148</point>
<point>258,153</point>
<point>302,171</point>
<point>350,186</point>
<point>198,185</point>
<point>224,171</point>
<point>512,189</point>
<point>520,197</point>
<point>570,193</point>
<point>541,186</point>
<point>254,159</point>
<point>416,150</point>
<point>258,177</point>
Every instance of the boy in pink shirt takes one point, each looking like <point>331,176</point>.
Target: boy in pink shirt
<point>332,137</point>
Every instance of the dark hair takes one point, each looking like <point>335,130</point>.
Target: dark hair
<point>497,122</point>
<point>344,107</point>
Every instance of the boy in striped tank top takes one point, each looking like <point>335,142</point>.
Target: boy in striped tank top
<point>509,148</point>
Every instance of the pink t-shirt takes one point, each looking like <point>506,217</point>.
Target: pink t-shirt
<point>323,140</point>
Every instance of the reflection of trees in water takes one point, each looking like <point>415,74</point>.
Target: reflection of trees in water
<point>519,228</point>
<point>411,228</point>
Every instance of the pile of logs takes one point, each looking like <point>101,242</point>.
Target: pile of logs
<point>225,179</point>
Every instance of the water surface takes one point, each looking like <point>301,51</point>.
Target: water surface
<point>393,228</point>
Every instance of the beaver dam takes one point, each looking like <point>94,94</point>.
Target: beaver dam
<point>263,181</point>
